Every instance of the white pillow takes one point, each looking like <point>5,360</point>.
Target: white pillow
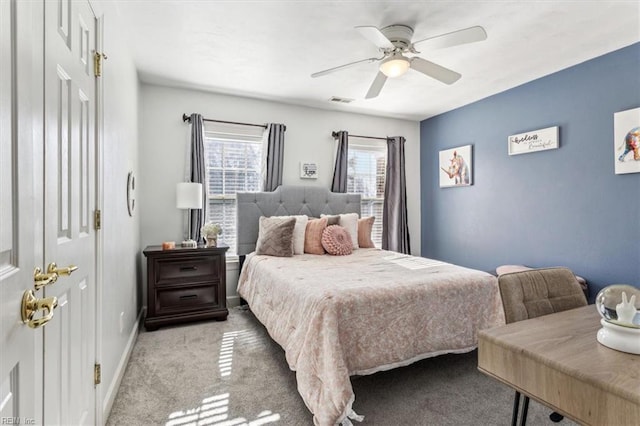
<point>298,232</point>
<point>348,221</point>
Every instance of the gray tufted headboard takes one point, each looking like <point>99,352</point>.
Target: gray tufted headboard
<point>284,201</point>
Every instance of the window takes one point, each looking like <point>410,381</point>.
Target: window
<point>234,164</point>
<point>366,175</point>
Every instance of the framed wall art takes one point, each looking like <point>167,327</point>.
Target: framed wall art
<point>308,170</point>
<point>626,141</point>
<point>456,166</point>
<point>533,141</point>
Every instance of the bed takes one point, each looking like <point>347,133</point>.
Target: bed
<point>372,310</point>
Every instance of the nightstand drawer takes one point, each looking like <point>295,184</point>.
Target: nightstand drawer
<point>186,298</point>
<point>192,269</point>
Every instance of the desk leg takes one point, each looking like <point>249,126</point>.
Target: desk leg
<point>525,410</point>
<point>556,417</point>
<point>516,405</point>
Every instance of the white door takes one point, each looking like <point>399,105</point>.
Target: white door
<point>20,207</point>
<point>69,202</point>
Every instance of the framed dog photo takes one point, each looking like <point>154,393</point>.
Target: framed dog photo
<point>456,166</point>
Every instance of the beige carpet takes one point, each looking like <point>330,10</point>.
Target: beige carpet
<point>231,373</point>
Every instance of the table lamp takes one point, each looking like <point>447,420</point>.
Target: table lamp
<point>189,196</point>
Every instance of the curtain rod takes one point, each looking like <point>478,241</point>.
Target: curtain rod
<point>335,135</point>
<point>186,118</point>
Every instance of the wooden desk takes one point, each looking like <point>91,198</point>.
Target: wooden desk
<point>556,360</point>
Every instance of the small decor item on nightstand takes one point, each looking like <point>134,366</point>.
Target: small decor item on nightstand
<point>210,232</point>
<point>618,306</point>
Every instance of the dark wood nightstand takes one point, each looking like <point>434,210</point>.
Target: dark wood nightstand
<point>185,284</point>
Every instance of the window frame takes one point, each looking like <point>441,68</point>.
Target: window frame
<point>215,134</point>
<point>381,148</point>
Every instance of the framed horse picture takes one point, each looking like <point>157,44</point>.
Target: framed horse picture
<point>456,166</point>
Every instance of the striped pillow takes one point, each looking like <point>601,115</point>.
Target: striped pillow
<point>365,225</point>
<point>313,236</point>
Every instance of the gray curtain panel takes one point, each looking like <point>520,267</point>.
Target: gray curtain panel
<point>198,174</point>
<point>275,157</point>
<point>339,183</point>
<point>395,229</point>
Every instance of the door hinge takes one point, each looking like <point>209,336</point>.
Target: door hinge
<point>97,63</point>
<point>97,374</point>
<point>97,219</point>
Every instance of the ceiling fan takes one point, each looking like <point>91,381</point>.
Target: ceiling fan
<point>394,42</point>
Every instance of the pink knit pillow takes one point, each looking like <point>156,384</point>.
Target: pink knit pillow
<point>336,240</point>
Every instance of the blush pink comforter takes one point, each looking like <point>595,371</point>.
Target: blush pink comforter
<point>337,316</point>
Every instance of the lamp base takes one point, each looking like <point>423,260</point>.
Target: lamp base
<point>189,243</point>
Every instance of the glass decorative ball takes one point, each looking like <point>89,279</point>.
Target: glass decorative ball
<point>610,297</point>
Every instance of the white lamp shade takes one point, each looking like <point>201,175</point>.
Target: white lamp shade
<point>394,66</point>
<point>189,195</point>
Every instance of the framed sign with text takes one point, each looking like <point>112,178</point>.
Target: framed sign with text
<point>533,141</point>
<point>308,170</point>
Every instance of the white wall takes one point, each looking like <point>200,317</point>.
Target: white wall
<point>120,300</point>
<point>165,138</point>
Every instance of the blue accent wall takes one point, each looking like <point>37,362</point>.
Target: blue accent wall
<point>549,208</point>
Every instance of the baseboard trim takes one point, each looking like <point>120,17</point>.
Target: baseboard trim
<point>233,301</point>
<point>112,391</point>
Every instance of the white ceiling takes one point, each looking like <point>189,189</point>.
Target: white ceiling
<point>268,49</point>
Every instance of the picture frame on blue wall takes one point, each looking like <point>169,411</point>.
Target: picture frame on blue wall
<point>534,141</point>
<point>626,141</point>
<point>456,166</point>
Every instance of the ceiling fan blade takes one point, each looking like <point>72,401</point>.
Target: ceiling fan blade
<point>376,86</point>
<point>436,71</point>
<point>341,67</point>
<point>375,36</point>
<point>455,38</point>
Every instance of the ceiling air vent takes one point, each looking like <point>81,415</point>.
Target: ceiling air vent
<point>340,100</point>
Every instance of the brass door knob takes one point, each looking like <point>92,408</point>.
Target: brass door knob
<point>31,305</point>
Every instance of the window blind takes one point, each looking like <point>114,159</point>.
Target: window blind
<point>234,164</point>
<point>367,166</point>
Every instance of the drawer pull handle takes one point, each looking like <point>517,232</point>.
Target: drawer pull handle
<point>189,296</point>
<point>188,268</point>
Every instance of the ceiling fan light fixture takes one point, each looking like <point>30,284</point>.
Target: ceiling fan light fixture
<point>395,65</point>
